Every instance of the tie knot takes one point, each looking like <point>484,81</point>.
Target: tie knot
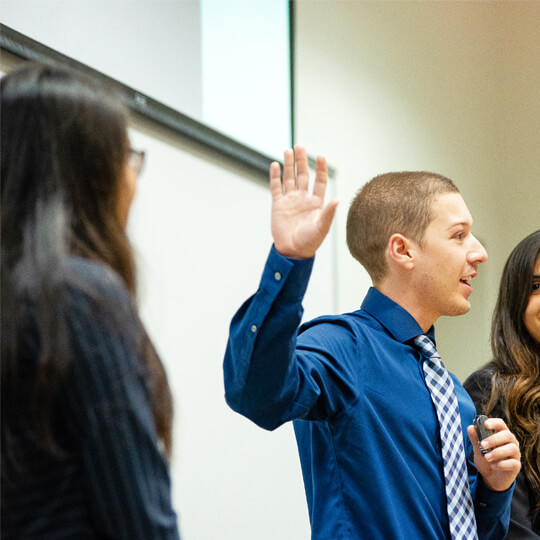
<point>426,346</point>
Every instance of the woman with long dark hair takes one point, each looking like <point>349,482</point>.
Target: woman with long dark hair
<point>86,407</point>
<point>509,386</point>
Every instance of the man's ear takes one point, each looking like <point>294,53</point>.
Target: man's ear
<point>400,251</point>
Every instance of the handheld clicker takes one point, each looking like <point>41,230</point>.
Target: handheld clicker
<point>482,431</point>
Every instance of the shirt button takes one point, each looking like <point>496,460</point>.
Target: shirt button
<point>254,328</point>
<point>277,276</point>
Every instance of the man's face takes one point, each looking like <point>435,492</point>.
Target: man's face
<point>448,259</point>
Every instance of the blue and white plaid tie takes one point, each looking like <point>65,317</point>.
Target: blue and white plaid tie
<point>443,394</point>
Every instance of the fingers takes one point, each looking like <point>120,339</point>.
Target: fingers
<point>321,177</point>
<point>327,216</point>
<point>302,167</point>
<point>473,436</point>
<point>296,173</point>
<point>502,435</point>
<point>502,445</point>
<point>503,451</point>
<point>275,180</point>
<point>289,177</point>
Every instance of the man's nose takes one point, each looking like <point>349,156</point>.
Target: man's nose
<point>478,253</point>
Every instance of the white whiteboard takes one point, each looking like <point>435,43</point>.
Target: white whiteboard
<point>213,60</point>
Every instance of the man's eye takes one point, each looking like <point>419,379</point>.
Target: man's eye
<point>459,236</point>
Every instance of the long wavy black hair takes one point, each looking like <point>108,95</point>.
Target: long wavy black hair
<point>515,386</point>
<point>63,156</point>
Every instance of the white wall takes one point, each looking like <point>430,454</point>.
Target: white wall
<point>445,86</point>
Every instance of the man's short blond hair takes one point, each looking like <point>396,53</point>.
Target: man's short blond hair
<point>396,202</point>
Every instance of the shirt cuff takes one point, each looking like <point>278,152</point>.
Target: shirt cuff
<point>492,500</point>
<point>289,277</point>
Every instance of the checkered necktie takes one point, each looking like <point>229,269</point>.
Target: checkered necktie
<point>458,496</point>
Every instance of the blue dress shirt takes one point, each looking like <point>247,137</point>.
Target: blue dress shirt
<point>365,425</point>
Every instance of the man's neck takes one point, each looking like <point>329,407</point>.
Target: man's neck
<point>401,294</point>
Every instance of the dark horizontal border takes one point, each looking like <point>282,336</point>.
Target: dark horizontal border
<point>26,48</point>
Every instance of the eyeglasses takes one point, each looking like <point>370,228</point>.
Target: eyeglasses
<point>136,160</point>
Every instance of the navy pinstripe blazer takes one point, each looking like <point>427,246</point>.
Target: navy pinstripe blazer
<point>113,482</point>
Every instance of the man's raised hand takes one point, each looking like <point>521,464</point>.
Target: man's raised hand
<point>300,221</point>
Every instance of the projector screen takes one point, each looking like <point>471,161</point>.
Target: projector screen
<point>226,64</point>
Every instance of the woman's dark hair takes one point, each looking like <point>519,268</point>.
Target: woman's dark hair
<point>63,155</point>
<point>516,379</point>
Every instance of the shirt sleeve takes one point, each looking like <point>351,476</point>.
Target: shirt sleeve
<point>492,510</point>
<point>268,377</point>
<point>125,475</point>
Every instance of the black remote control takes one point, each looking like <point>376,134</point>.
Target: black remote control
<point>482,431</point>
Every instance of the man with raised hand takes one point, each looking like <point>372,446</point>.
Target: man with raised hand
<point>381,425</point>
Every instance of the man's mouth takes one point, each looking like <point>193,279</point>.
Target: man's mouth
<point>466,281</point>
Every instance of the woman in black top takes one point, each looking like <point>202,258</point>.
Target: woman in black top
<point>86,407</point>
<point>509,386</point>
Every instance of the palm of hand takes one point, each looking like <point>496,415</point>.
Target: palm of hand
<point>300,222</point>
<point>295,224</point>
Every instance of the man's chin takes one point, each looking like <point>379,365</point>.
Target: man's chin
<point>460,308</point>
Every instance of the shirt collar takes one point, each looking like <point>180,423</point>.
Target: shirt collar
<point>397,320</point>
